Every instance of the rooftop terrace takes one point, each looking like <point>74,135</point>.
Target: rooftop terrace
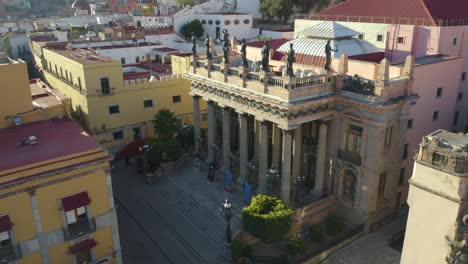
<point>56,138</point>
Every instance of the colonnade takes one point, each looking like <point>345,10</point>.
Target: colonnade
<point>286,148</point>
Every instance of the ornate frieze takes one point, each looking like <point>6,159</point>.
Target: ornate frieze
<point>262,109</point>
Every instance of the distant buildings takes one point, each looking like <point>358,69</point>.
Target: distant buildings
<point>56,201</point>
<point>437,226</point>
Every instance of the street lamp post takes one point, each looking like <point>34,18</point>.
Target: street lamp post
<point>227,211</point>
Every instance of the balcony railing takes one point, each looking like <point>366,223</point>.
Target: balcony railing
<point>9,253</point>
<point>79,229</point>
<point>350,157</point>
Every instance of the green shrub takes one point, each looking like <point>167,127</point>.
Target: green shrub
<point>267,218</point>
<point>316,233</point>
<point>240,249</point>
<point>334,225</point>
<point>296,244</point>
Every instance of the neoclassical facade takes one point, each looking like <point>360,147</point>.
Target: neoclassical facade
<point>322,137</point>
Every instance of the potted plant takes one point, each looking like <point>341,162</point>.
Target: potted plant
<point>240,251</point>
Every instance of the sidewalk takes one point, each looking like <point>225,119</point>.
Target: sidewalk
<point>372,248</point>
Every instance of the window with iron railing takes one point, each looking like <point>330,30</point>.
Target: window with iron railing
<point>354,139</point>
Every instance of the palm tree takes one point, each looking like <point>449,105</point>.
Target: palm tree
<point>165,125</point>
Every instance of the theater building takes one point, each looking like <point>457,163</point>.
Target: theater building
<point>324,142</point>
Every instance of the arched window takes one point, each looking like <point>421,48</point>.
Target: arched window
<point>349,185</point>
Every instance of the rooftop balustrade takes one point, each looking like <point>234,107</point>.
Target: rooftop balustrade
<point>284,87</point>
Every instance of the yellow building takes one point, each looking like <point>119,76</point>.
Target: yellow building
<point>56,202</point>
<point>16,95</point>
<point>115,107</point>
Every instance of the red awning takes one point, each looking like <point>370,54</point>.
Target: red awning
<point>5,223</point>
<point>75,201</point>
<point>82,246</point>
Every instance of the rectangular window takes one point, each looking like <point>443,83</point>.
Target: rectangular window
<point>382,182</point>
<point>61,72</point>
<point>455,118</point>
<point>50,66</point>
<point>401,40</point>
<point>405,151</point>
<point>401,180</point>
<point>136,133</point>
<point>354,139</point>
<point>439,92</point>
<point>66,75</point>
<point>79,82</point>
<point>435,116</point>
<point>439,159</point>
<point>409,125</point>
<point>361,36</point>
<point>105,89</point>
<point>114,109</point>
<point>463,76</point>
<point>83,257</point>
<point>454,41</point>
<point>56,70</point>
<point>137,59</point>
<point>388,138</point>
<point>117,135</point>
<point>71,78</point>
<point>122,60</point>
<point>460,96</point>
<point>379,37</point>
<point>77,215</point>
<point>5,239</point>
<point>176,99</point>
<point>148,103</point>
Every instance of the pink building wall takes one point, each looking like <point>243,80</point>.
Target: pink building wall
<point>427,78</point>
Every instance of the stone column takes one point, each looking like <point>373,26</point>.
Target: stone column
<point>196,122</point>
<point>226,138</point>
<point>297,152</point>
<point>276,144</point>
<point>243,147</point>
<point>257,139</point>
<point>262,157</point>
<point>211,130</point>
<point>320,163</point>
<point>286,170</point>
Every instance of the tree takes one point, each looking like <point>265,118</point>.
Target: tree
<point>193,27</point>
<point>165,125</point>
<point>185,2</point>
<point>282,9</point>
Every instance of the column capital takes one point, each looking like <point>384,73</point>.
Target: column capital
<point>225,108</point>
<point>210,102</point>
<point>195,97</point>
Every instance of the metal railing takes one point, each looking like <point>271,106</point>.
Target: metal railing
<point>350,157</point>
<point>10,253</point>
<point>79,229</point>
<point>389,20</point>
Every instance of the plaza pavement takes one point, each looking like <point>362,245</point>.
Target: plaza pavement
<point>371,248</point>
<point>174,220</point>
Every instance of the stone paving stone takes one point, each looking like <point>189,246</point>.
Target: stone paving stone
<point>372,248</point>
<point>174,220</point>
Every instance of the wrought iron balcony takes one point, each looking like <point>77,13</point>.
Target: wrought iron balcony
<point>350,157</point>
<point>79,229</point>
<point>9,253</point>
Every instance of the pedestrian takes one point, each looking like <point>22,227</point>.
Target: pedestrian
<point>197,163</point>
